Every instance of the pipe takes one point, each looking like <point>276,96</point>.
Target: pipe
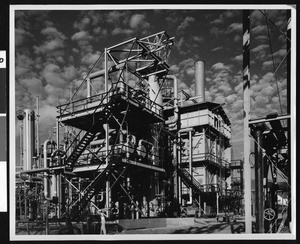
<point>141,150</point>
<point>45,150</point>
<point>199,81</point>
<point>186,130</point>
<point>176,110</point>
<point>190,164</point>
<point>101,72</point>
<point>88,85</point>
<point>37,132</point>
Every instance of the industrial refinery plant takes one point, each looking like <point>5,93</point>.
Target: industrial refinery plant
<point>144,152</point>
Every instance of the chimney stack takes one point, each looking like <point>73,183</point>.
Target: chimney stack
<point>199,81</point>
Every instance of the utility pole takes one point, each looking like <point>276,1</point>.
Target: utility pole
<point>246,95</point>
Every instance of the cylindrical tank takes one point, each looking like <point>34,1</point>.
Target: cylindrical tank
<point>28,138</point>
<point>199,81</point>
<point>155,94</point>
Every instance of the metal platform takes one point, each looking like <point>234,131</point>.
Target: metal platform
<point>83,113</point>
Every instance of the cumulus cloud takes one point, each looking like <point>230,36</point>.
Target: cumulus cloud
<point>34,85</point>
<point>49,46</point>
<point>259,30</point>
<point>21,36</point>
<point>238,58</point>
<point>52,33</point>
<point>235,27</point>
<point>217,49</point>
<point>217,21</point>
<point>221,66</point>
<point>121,31</point>
<point>138,22</point>
<point>81,36</point>
<point>185,23</point>
<point>260,48</point>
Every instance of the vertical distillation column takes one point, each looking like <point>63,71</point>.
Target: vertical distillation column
<point>246,95</point>
<point>28,139</point>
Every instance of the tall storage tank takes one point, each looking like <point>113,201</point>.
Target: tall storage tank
<point>28,138</point>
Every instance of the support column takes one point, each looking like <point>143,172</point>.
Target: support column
<point>259,175</point>
<point>246,95</point>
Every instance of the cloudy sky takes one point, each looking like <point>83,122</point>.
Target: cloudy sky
<point>55,49</point>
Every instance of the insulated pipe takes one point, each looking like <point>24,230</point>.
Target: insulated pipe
<point>175,118</point>
<point>199,81</point>
<point>46,187</point>
<point>53,192</point>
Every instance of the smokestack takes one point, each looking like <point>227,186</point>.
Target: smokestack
<point>199,81</point>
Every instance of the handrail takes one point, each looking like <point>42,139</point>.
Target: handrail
<point>211,157</point>
<point>128,92</point>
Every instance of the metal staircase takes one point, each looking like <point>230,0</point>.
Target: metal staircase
<point>190,181</point>
<point>90,191</point>
<point>79,149</point>
<point>90,135</point>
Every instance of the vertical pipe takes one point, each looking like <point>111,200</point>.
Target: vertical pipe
<point>217,202</point>
<point>175,176</point>
<point>190,163</point>
<point>179,178</point>
<point>21,147</point>
<point>59,193</point>
<point>246,96</point>
<point>25,202</point>
<point>37,132</point>
<point>199,81</point>
<point>57,135</point>
<point>105,71</point>
<point>88,87</point>
<point>259,174</point>
<point>20,203</point>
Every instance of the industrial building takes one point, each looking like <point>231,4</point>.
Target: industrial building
<point>138,149</point>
